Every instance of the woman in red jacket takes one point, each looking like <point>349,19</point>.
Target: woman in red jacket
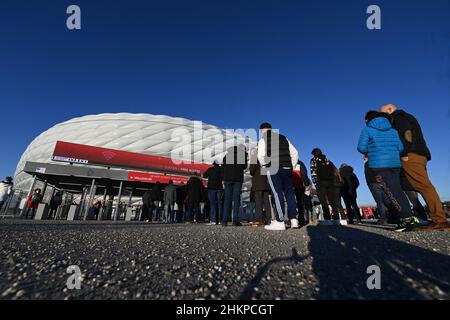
<point>33,203</point>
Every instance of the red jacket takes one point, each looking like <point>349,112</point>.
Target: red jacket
<point>31,204</point>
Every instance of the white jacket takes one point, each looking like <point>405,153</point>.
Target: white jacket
<point>6,190</point>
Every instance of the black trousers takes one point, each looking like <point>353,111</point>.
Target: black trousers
<point>262,202</point>
<point>299,195</point>
<point>52,210</point>
<point>352,207</point>
<point>326,191</point>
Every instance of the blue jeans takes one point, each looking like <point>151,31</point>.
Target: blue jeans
<point>380,198</point>
<point>389,182</point>
<point>215,212</point>
<point>232,195</point>
<point>168,209</point>
<point>282,186</point>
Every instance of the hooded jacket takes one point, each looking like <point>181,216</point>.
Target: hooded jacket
<point>410,134</point>
<point>381,143</point>
<point>350,181</point>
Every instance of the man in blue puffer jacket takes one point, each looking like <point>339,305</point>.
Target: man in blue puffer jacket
<point>381,143</point>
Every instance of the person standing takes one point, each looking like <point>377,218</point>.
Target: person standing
<point>348,191</point>
<point>156,197</point>
<point>381,143</point>
<point>260,189</point>
<point>170,196</point>
<point>278,157</point>
<point>324,174</point>
<point>234,164</point>
<point>6,191</point>
<point>215,190</point>
<point>414,159</point>
<point>181,197</point>
<point>33,203</point>
<point>55,202</point>
<point>194,188</point>
<point>307,201</point>
<point>147,204</point>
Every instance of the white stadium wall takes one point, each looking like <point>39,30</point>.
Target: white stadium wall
<point>138,133</point>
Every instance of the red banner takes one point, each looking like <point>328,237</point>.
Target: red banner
<point>149,177</point>
<point>78,153</point>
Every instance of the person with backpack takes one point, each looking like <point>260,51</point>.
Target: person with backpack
<point>414,159</point>
<point>234,164</point>
<point>382,145</point>
<point>34,200</point>
<point>170,196</point>
<point>55,202</point>
<point>348,192</point>
<point>324,175</point>
<point>6,190</point>
<point>215,191</point>
<point>261,191</point>
<point>278,157</point>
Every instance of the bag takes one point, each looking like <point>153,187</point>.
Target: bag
<point>325,170</point>
<point>175,207</point>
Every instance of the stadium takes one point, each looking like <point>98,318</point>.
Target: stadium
<point>124,153</point>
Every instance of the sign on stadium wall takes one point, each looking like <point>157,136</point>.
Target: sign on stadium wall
<point>84,154</point>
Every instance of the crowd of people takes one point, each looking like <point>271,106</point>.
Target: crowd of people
<point>395,155</point>
<point>393,149</point>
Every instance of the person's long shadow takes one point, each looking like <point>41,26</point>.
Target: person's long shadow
<point>247,293</point>
<point>341,256</point>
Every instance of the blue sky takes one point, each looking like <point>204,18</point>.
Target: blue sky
<point>311,68</point>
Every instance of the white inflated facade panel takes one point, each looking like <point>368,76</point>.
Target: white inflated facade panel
<point>139,133</point>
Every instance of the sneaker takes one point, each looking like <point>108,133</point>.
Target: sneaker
<point>408,224</point>
<point>294,224</point>
<point>237,224</point>
<point>211,224</point>
<point>412,223</point>
<point>276,226</point>
<point>401,226</point>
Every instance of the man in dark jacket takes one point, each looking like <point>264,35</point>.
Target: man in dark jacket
<point>324,175</point>
<point>234,165</point>
<point>414,162</point>
<point>260,188</point>
<point>348,191</point>
<point>147,205</point>
<point>215,191</point>
<point>194,189</point>
<point>55,202</point>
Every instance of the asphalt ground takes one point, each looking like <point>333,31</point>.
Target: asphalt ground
<point>194,261</point>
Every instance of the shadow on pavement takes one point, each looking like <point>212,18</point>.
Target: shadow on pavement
<point>248,292</point>
<point>341,257</point>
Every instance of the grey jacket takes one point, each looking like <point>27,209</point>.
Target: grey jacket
<point>170,194</point>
